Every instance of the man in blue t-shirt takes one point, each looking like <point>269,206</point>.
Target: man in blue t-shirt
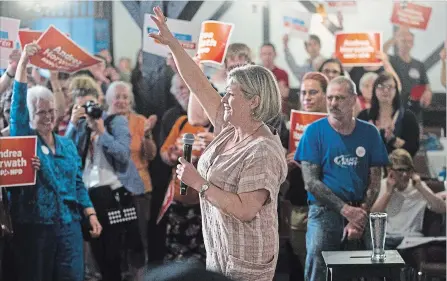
<point>341,159</point>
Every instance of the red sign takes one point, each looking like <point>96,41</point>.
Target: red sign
<point>299,120</point>
<point>6,43</point>
<point>358,49</point>
<point>411,15</point>
<point>169,198</point>
<point>213,41</point>
<point>15,161</point>
<point>59,52</point>
<point>28,36</point>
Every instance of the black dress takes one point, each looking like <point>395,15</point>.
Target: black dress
<point>406,128</point>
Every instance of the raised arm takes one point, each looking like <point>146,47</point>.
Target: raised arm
<point>19,117</point>
<point>297,70</point>
<point>8,76</point>
<point>389,68</point>
<point>59,96</point>
<point>196,115</point>
<point>388,44</point>
<point>435,203</point>
<point>191,73</point>
<point>375,174</point>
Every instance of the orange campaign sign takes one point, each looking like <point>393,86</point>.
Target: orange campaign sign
<point>28,36</point>
<point>411,15</point>
<point>299,120</point>
<point>358,49</point>
<point>59,52</point>
<point>213,41</point>
<point>15,161</point>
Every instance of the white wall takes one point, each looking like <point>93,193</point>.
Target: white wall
<point>371,16</point>
<point>126,34</point>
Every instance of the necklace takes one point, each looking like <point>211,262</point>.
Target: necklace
<point>243,139</point>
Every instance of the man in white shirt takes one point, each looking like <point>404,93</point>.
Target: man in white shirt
<point>404,197</point>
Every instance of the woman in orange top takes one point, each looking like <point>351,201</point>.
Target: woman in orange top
<point>184,222</point>
<point>120,100</point>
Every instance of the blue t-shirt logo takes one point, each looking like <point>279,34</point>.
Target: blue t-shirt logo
<point>344,160</point>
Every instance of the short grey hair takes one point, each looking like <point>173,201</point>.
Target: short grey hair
<point>111,90</point>
<point>35,94</point>
<point>367,77</point>
<point>345,81</point>
<point>256,80</point>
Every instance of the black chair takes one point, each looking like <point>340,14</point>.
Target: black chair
<point>432,257</point>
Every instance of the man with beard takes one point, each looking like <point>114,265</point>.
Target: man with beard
<point>340,160</point>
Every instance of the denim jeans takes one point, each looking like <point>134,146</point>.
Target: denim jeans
<point>49,252</point>
<point>324,233</point>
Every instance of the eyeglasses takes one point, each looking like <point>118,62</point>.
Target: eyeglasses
<point>387,87</point>
<point>402,170</point>
<point>336,98</point>
<point>43,113</point>
<point>331,71</point>
<point>310,92</point>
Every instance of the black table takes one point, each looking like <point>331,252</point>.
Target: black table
<point>342,265</point>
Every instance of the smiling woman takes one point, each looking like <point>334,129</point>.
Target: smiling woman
<point>46,216</point>
<point>239,173</point>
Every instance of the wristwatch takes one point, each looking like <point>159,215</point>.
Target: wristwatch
<point>204,188</point>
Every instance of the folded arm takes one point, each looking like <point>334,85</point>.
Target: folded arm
<point>242,206</point>
<point>435,203</point>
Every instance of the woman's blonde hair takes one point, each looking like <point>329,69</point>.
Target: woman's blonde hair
<point>256,80</point>
<point>238,50</point>
<point>84,85</point>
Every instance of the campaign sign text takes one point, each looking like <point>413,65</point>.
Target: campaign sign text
<point>15,161</point>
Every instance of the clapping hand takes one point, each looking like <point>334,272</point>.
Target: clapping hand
<point>14,58</point>
<point>150,122</point>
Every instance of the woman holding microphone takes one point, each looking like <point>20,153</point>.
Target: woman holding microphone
<point>239,173</point>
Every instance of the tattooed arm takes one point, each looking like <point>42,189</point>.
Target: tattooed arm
<point>375,175</point>
<point>313,184</point>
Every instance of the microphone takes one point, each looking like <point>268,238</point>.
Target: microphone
<point>188,140</point>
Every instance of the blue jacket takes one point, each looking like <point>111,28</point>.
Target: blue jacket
<point>59,189</point>
<point>116,148</point>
